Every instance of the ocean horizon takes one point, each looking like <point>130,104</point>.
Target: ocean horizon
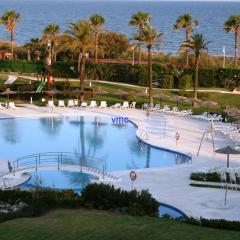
<point>211,15</point>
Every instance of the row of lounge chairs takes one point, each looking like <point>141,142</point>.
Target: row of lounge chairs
<point>231,132</point>
<point>10,105</point>
<point>166,109</point>
<point>93,104</point>
<point>209,117</point>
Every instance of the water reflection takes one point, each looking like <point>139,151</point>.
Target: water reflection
<point>10,131</point>
<point>51,125</point>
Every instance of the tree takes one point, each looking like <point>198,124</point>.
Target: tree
<point>140,20</point>
<point>97,21</point>
<point>80,38</point>
<point>50,35</point>
<point>150,38</point>
<point>10,19</point>
<point>233,25</point>
<point>113,44</point>
<point>186,22</point>
<point>198,45</point>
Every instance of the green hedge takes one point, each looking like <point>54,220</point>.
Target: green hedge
<point>137,74</point>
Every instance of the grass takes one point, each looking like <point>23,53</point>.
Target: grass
<point>221,98</point>
<point>86,225</point>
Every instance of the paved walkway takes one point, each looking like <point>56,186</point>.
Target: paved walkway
<point>168,185</point>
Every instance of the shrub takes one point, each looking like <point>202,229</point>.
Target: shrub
<point>185,82</point>
<point>106,197</point>
<point>167,82</point>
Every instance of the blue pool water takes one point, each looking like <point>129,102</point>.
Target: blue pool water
<point>114,144</point>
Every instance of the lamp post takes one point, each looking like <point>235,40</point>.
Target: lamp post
<point>224,56</point>
<point>133,56</point>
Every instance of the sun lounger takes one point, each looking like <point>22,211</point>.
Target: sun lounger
<point>125,105</point>
<point>133,105</point>
<point>1,107</point>
<point>51,104</point>
<point>61,103</point>
<point>116,105</point>
<point>70,103</point>
<point>83,105</point>
<point>103,104</point>
<point>75,101</point>
<point>11,105</point>
<point>93,104</point>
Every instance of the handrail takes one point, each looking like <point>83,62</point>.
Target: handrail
<point>58,158</point>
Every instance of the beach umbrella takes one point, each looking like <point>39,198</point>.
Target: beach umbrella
<point>8,92</point>
<point>209,104</point>
<point>161,96</point>
<point>120,93</point>
<point>100,91</point>
<point>192,100</point>
<point>177,99</point>
<point>142,94</point>
<point>228,151</point>
<point>54,92</point>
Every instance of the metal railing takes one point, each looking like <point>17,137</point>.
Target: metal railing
<point>58,159</point>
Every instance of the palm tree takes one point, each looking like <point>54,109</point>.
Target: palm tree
<point>10,19</point>
<point>140,20</point>
<point>233,25</point>
<point>50,34</point>
<point>198,45</point>
<point>150,38</point>
<point>186,22</point>
<point>97,21</point>
<point>80,39</point>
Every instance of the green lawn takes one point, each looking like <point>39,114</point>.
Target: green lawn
<point>84,224</point>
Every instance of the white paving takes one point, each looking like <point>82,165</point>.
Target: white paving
<point>168,185</point>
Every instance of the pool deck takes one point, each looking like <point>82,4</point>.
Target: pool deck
<point>168,185</point>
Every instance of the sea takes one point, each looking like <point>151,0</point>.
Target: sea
<point>37,14</point>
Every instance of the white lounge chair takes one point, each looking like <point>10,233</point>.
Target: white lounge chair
<point>70,103</point>
<point>1,107</point>
<point>93,104</point>
<point>116,105</point>
<point>61,103</point>
<point>133,105</point>
<point>145,106</point>
<point>84,104</point>
<point>103,104</point>
<point>125,105</point>
<point>75,101</point>
<point>165,109</point>
<point>11,105</point>
<point>51,104</point>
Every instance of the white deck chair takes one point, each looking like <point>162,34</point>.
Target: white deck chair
<point>166,109</point>
<point>133,105</point>
<point>125,105</point>
<point>51,104</point>
<point>75,101</point>
<point>61,103</point>
<point>70,103</point>
<point>11,105</point>
<point>1,107</point>
<point>103,104</point>
<point>84,104</point>
<point>145,106</point>
<point>93,104</point>
<point>116,105</point>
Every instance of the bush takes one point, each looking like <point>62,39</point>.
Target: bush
<point>106,197</point>
<point>167,82</point>
<point>185,82</point>
<point>209,177</point>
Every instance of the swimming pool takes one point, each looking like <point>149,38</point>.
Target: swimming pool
<point>90,137</point>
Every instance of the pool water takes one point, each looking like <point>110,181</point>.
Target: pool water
<point>58,180</point>
<point>91,137</point>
